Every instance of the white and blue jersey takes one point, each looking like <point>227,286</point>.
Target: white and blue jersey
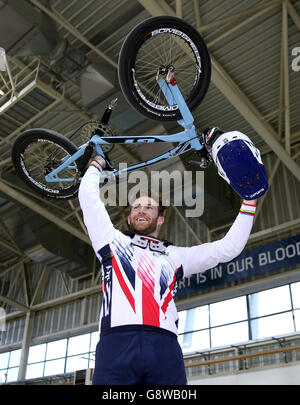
<point>139,283</point>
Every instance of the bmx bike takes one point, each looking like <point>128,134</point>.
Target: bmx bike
<point>156,55</point>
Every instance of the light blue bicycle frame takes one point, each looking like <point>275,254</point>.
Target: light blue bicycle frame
<point>186,139</point>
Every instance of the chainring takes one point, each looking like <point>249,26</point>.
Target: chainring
<point>90,127</point>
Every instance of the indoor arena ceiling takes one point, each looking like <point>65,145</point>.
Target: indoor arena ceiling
<point>52,46</point>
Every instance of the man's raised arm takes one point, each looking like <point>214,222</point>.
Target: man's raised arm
<point>200,258</point>
<point>100,228</point>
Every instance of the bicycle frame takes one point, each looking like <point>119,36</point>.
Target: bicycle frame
<point>186,139</point>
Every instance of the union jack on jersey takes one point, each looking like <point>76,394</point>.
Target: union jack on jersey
<point>138,286</point>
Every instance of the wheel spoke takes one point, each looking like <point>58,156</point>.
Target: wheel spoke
<point>163,51</point>
<point>39,155</point>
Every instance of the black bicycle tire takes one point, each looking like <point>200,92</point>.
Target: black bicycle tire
<point>25,139</point>
<point>129,50</point>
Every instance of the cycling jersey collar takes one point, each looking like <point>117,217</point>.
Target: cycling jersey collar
<point>143,241</point>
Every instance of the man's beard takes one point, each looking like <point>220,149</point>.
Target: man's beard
<point>145,231</point>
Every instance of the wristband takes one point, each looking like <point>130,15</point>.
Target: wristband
<point>248,209</point>
<point>98,165</point>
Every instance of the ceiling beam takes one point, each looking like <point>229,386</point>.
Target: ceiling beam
<point>69,27</point>
<point>10,247</point>
<point>13,303</point>
<point>40,286</point>
<point>67,298</point>
<point>27,283</point>
<point>293,14</point>
<point>8,189</point>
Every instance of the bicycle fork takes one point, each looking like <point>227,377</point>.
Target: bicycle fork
<point>171,92</point>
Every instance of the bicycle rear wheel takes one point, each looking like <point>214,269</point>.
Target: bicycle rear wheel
<point>154,45</point>
<point>35,153</point>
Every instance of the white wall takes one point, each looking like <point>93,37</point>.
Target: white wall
<point>282,375</point>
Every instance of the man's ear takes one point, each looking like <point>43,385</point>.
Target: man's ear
<point>128,220</point>
<point>160,220</point>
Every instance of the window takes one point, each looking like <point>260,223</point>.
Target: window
<point>264,314</point>
<point>53,367</point>
<point>57,349</point>
<point>34,370</point>
<point>77,363</point>
<point>270,301</point>
<point>296,294</point>
<point>269,326</point>
<point>9,366</point>
<point>15,357</point>
<point>4,358</point>
<point>229,334</point>
<point>228,311</point>
<point>37,353</point>
<point>57,357</point>
<point>194,341</point>
<point>12,374</point>
<point>79,344</point>
<point>297,320</point>
<point>193,319</point>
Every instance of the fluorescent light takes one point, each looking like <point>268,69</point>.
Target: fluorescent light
<point>1,93</point>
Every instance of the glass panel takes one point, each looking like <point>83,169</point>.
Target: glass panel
<point>297,319</point>
<point>15,357</point>
<point>230,334</point>
<point>37,353</point>
<point>79,344</point>
<point>12,374</point>
<point>193,319</point>
<point>181,321</point>
<point>77,363</point>
<point>3,376</point>
<point>272,325</point>
<point>270,301</point>
<point>201,318</point>
<point>54,367</point>
<point>56,349</point>
<point>296,294</point>
<point>4,360</point>
<point>94,341</point>
<point>34,370</point>
<point>195,341</point>
<point>232,310</point>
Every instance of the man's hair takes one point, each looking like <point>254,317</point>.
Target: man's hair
<point>154,196</point>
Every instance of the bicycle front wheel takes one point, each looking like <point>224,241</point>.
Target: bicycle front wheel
<point>150,49</point>
<point>37,152</point>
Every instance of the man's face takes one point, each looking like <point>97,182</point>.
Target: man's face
<point>144,217</point>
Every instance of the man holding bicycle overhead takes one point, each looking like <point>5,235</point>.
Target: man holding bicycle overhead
<point>140,274</point>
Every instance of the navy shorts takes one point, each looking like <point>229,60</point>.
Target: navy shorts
<point>139,355</point>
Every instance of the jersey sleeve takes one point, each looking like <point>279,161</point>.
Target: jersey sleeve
<point>199,258</point>
<point>99,226</point>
